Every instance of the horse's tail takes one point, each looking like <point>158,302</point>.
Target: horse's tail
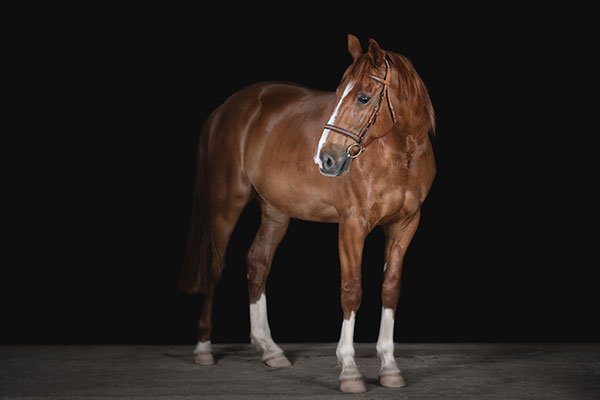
<point>197,265</point>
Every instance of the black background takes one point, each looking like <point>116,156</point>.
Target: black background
<point>106,111</point>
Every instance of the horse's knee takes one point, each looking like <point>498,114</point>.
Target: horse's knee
<point>351,296</point>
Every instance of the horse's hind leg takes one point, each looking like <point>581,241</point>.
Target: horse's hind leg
<point>226,210</point>
<point>273,227</point>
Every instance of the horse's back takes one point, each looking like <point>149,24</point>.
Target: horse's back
<point>261,103</point>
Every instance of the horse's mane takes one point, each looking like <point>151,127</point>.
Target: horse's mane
<point>412,89</point>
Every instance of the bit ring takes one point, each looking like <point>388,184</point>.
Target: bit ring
<point>349,151</point>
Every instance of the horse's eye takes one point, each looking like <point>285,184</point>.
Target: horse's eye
<point>363,99</point>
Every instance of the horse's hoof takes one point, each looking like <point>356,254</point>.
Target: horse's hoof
<point>356,385</point>
<point>204,358</point>
<point>392,381</point>
<point>278,361</point>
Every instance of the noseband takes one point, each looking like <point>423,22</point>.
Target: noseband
<point>358,138</point>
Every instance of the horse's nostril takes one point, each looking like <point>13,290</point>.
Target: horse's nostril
<point>328,162</point>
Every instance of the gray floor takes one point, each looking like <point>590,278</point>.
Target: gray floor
<point>432,371</point>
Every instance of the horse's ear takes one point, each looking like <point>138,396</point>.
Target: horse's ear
<point>376,55</point>
<point>354,47</point>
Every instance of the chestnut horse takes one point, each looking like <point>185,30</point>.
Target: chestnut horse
<point>360,157</point>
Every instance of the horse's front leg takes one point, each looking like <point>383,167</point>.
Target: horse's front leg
<point>352,233</point>
<point>398,237</point>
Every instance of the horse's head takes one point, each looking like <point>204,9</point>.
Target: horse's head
<point>369,105</point>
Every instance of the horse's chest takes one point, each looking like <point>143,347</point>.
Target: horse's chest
<point>400,192</point>
<point>393,202</point>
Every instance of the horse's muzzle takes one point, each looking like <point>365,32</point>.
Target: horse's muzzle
<point>334,163</point>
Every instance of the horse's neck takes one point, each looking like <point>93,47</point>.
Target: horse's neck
<point>400,141</point>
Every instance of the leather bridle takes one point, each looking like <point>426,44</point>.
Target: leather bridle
<point>359,137</point>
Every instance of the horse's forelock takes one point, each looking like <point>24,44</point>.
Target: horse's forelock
<point>358,71</point>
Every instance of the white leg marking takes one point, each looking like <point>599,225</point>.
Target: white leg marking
<point>260,333</point>
<point>203,354</point>
<point>203,347</point>
<point>345,350</point>
<point>385,343</point>
<point>325,134</point>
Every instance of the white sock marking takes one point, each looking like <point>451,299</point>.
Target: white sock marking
<point>260,333</point>
<point>345,350</point>
<point>203,347</point>
<point>325,134</point>
<point>385,343</point>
